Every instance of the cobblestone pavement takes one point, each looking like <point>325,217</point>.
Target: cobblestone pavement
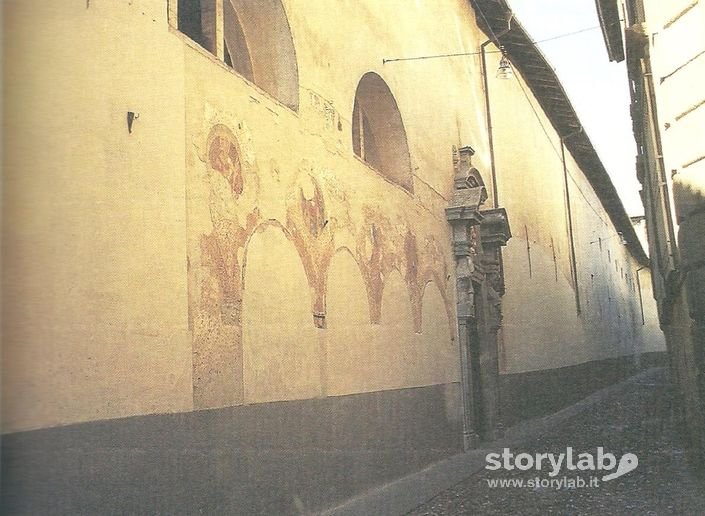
<point>636,420</point>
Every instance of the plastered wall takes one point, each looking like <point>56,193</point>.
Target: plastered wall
<point>357,291</point>
<point>678,63</point>
<point>262,254</point>
<point>94,244</point>
<point>231,250</point>
<point>543,327</point>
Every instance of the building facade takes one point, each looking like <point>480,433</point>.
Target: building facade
<point>664,49</point>
<point>258,263</point>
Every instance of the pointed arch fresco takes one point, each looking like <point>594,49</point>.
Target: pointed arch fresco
<point>439,351</point>
<point>281,355</point>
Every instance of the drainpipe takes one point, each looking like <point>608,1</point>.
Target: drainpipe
<point>662,181</point>
<point>641,300</point>
<point>488,114</point>
<point>571,236</point>
<point>644,74</point>
<point>488,111</point>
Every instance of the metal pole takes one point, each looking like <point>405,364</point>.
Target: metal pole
<point>641,300</point>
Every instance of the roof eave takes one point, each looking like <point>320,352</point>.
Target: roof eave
<point>611,25</point>
<point>548,90</point>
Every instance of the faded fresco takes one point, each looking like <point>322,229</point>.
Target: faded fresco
<point>318,221</point>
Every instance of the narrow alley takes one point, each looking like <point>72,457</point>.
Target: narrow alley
<point>352,258</point>
<point>637,419</point>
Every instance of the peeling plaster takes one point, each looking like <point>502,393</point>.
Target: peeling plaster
<point>381,245</point>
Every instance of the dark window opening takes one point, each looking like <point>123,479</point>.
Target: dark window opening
<point>364,143</point>
<point>228,60</point>
<point>189,12</point>
<point>378,134</point>
<point>252,37</point>
<point>237,54</point>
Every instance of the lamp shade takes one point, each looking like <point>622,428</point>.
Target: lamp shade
<point>505,69</point>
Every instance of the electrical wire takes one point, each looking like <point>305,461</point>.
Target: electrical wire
<point>555,149</point>
<point>494,38</point>
<point>531,104</point>
<point>579,31</point>
<point>420,58</point>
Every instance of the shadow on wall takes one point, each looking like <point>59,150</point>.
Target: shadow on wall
<point>538,393</point>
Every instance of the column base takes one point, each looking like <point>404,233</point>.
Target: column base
<point>470,440</point>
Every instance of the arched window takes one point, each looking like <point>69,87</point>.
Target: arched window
<point>378,133</point>
<point>251,36</point>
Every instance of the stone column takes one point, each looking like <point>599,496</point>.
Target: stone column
<point>463,214</point>
<point>465,294</point>
<point>495,233</point>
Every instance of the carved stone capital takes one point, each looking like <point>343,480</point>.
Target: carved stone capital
<point>494,228</point>
<point>466,212</point>
<point>468,190</point>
